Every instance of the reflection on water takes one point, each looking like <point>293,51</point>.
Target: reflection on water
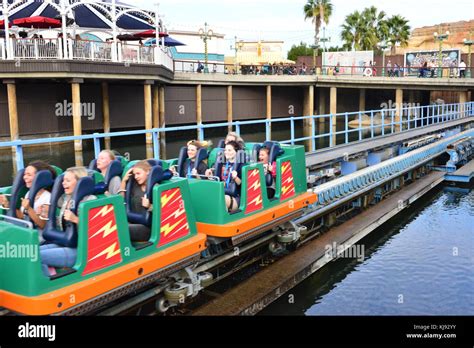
<point>420,264</point>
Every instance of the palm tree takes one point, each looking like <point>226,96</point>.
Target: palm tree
<point>364,30</point>
<point>351,32</point>
<point>318,11</point>
<point>377,29</point>
<point>398,32</point>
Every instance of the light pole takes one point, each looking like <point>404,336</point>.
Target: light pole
<point>205,34</point>
<point>315,51</point>
<point>468,43</point>
<point>383,46</point>
<point>440,38</point>
<point>324,39</point>
<point>237,46</point>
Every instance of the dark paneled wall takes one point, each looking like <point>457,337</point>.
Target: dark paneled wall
<point>287,101</point>
<point>214,104</point>
<point>4,122</point>
<point>127,106</point>
<point>180,104</point>
<point>42,109</point>
<point>249,102</point>
<point>37,102</point>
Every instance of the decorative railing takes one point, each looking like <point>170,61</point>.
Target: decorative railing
<point>36,49</point>
<point>344,128</point>
<point>84,50</point>
<point>191,66</point>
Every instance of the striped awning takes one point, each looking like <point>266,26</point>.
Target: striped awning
<point>91,15</point>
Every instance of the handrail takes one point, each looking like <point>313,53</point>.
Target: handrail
<point>124,52</point>
<point>27,224</point>
<point>382,122</point>
<point>293,69</point>
<point>86,50</point>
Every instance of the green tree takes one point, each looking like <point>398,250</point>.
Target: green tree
<point>335,49</point>
<point>398,32</point>
<point>377,29</point>
<point>318,11</point>
<point>298,51</point>
<point>304,50</point>
<point>351,31</point>
<point>365,30</point>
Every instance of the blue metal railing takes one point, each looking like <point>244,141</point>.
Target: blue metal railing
<point>381,121</point>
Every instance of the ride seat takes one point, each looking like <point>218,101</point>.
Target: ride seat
<point>43,179</point>
<point>154,162</point>
<point>232,189</point>
<point>114,169</point>
<point>85,186</point>
<point>201,155</point>
<point>93,163</point>
<point>275,150</point>
<point>18,188</point>
<point>156,176</point>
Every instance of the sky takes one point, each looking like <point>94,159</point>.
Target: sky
<point>284,19</point>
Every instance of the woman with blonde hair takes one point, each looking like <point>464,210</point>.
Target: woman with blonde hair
<point>233,136</point>
<point>139,202</point>
<point>54,255</point>
<point>103,162</point>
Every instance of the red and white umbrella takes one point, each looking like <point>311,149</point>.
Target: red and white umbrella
<point>37,22</point>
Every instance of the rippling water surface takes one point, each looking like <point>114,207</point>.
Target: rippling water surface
<point>422,263</point>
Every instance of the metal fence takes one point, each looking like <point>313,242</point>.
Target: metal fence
<point>3,49</point>
<point>188,66</point>
<point>85,50</point>
<point>137,54</point>
<point>36,49</point>
<point>362,124</point>
<point>90,50</point>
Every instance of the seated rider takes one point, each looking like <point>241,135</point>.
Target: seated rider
<point>233,136</point>
<point>103,161</point>
<point>264,157</point>
<point>229,173</point>
<point>269,168</point>
<point>140,203</point>
<point>193,147</point>
<point>39,209</point>
<point>54,255</point>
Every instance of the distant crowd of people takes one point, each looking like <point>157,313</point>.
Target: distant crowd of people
<point>369,69</point>
<point>430,68</point>
<point>265,69</point>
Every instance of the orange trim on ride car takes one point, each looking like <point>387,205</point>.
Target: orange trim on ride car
<point>60,300</point>
<point>238,227</point>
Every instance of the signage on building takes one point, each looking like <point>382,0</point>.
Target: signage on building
<point>350,63</point>
<point>415,60</point>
